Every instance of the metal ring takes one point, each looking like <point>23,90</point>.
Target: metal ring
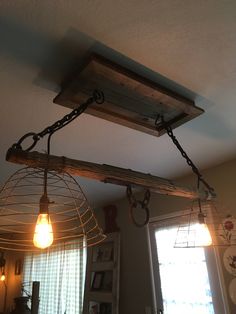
<point>35,138</point>
<point>129,192</point>
<point>146,198</point>
<point>130,196</point>
<point>131,214</point>
<point>98,96</point>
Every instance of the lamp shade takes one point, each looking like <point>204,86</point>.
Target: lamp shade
<point>71,217</point>
<point>210,227</point>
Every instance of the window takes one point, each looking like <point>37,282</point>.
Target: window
<point>184,279</point>
<point>61,275</point>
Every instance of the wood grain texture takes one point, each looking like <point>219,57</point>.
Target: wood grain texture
<point>130,99</point>
<point>104,173</point>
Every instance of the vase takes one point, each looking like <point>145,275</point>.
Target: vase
<point>21,306</point>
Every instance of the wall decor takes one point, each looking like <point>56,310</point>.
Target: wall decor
<point>229,260</point>
<point>18,267</point>
<point>97,280</point>
<point>229,224</point>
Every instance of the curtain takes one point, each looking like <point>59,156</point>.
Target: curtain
<point>61,274</point>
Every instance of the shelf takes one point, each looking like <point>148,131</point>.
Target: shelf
<point>102,266</point>
<point>102,277</point>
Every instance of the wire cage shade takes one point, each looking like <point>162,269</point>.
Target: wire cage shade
<point>222,229</point>
<point>72,219</point>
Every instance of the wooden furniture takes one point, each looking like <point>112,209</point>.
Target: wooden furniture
<point>101,294</point>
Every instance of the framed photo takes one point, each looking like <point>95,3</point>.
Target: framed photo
<point>105,308</point>
<point>97,280</point>
<point>107,253</point>
<point>94,307</point>
<point>97,254</point>
<point>103,253</point>
<point>18,267</point>
<point>107,281</point>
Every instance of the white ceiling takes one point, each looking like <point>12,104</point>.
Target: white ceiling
<point>189,43</point>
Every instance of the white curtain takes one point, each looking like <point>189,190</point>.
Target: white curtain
<point>61,274</point>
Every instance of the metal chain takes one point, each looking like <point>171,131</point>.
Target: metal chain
<point>134,204</point>
<point>97,97</point>
<point>188,160</point>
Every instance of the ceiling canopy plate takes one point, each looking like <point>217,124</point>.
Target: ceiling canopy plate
<point>130,99</point>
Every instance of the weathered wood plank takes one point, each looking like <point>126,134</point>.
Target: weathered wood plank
<point>104,173</point>
<point>130,99</point>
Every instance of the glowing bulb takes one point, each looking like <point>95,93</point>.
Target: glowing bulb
<point>203,236</point>
<point>43,235</point>
<point>3,277</point>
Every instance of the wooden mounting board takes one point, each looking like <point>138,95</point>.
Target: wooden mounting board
<point>130,99</point>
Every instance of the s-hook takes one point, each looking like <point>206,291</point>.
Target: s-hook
<point>134,203</point>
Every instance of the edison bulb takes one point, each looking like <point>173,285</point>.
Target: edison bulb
<point>203,236</point>
<point>3,277</point>
<point>43,235</point>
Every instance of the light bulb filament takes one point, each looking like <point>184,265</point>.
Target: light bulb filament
<point>43,235</point>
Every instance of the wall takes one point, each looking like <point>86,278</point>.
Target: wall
<point>135,286</point>
<point>13,282</point>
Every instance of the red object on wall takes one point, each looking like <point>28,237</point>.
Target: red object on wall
<point>110,213</point>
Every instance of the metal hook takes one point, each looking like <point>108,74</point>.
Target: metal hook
<point>35,138</point>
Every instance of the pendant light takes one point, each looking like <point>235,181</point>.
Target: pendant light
<point>203,236</point>
<point>3,277</point>
<point>23,202</point>
<point>2,267</point>
<point>193,229</point>
<point>40,208</point>
<point>43,234</point>
<point>204,226</point>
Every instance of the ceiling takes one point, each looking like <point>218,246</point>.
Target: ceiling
<point>188,46</point>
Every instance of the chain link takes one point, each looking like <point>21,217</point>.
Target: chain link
<point>97,97</point>
<point>188,160</point>
<point>134,203</point>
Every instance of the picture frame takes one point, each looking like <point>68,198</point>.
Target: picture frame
<point>94,307</point>
<point>107,281</point>
<point>97,254</point>
<point>18,267</point>
<point>105,308</point>
<point>103,253</point>
<point>107,253</point>
<point>97,281</point>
